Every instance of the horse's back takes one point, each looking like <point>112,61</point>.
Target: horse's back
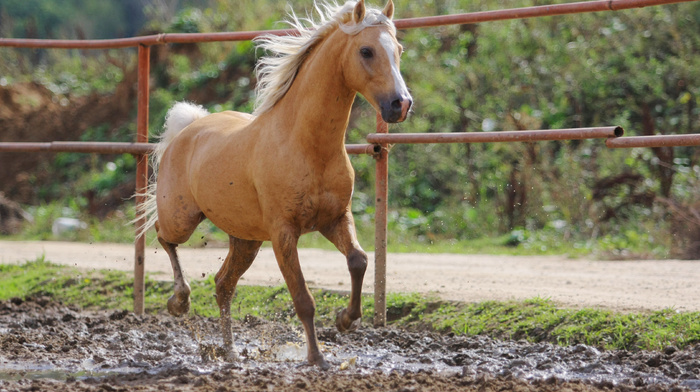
<point>242,118</point>
<point>223,122</point>
<point>206,136</point>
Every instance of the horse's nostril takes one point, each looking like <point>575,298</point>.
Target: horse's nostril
<point>396,104</point>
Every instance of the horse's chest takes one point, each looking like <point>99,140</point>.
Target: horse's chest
<point>321,204</point>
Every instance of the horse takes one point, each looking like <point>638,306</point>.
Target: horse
<point>283,170</point>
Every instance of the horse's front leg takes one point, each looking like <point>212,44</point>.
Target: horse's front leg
<point>342,235</point>
<point>284,244</point>
<point>240,256</point>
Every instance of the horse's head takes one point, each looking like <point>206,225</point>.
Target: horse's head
<point>371,64</point>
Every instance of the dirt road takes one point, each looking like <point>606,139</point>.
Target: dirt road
<point>616,285</point>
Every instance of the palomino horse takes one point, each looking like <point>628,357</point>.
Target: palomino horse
<point>283,171</point>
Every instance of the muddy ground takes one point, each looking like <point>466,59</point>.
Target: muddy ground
<point>46,346</point>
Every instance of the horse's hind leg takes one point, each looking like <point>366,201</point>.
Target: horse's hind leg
<point>179,302</point>
<point>342,235</point>
<point>241,254</point>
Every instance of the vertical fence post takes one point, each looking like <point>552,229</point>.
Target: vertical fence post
<point>144,67</point>
<point>380,227</point>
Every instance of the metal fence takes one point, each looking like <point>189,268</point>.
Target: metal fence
<point>379,143</point>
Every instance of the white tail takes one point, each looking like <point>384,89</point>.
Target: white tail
<point>178,118</point>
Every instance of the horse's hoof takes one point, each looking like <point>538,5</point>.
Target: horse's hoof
<point>346,326</point>
<point>177,307</point>
<point>321,363</point>
<point>230,354</point>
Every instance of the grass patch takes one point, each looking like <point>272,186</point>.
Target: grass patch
<point>539,320</point>
<point>535,320</point>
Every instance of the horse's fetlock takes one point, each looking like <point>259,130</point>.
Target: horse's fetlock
<point>354,315</point>
<point>183,291</point>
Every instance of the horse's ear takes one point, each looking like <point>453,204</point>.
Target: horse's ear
<point>389,9</point>
<point>358,14</point>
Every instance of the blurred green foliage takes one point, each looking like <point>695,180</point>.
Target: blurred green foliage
<point>638,68</point>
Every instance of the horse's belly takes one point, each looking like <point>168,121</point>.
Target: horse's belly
<point>234,210</point>
<point>238,222</point>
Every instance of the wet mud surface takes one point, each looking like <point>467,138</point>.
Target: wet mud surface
<point>45,346</point>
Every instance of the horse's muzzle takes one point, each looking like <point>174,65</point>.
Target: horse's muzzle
<point>396,110</point>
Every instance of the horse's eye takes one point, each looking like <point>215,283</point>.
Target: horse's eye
<point>366,53</point>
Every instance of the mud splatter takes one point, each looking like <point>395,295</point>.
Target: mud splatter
<point>50,347</point>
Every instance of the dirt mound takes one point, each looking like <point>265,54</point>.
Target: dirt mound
<point>685,229</point>
<point>11,216</point>
<point>50,347</point>
<point>29,112</point>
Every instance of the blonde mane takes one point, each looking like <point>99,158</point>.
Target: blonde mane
<point>276,71</point>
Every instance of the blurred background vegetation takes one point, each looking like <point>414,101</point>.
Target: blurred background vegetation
<point>639,69</point>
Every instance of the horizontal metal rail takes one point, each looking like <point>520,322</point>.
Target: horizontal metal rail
<point>501,136</point>
<point>86,147</point>
<point>147,40</point>
<point>363,149</point>
<point>530,12</point>
<point>410,23</point>
<point>612,134</point>
<point>690,139</point>
<point>128,148</point>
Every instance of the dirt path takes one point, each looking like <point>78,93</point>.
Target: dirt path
<point>616,285</point>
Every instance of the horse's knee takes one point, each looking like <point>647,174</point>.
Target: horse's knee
<point>225,284</point>
<point>357,262</point>
<point>305,307</point>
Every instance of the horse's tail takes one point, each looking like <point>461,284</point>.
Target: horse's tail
<point>178,118</point>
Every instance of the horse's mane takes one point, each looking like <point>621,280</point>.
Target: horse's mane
<point>276,71</point>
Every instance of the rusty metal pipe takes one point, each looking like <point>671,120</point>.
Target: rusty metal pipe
<point>360,149</point>
<point>146,40</point>
<point>128,148</point>
<point>529,12</point>
<point>692,139</point>
<point>502,136</point>
<point>144,74</point>
<point>83,147</point>
<point>381,189</point>
<point>429,21</point>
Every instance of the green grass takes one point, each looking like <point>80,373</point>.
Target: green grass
<point>535,320</point>
<point>398,242</point>
<point>540,320</point>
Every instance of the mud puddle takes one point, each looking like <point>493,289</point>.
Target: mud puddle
<point>47,346</point>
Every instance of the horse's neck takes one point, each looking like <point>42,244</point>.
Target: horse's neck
<point>316,109</point>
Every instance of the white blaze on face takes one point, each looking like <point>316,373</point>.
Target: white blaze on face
<point>387,42</point>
